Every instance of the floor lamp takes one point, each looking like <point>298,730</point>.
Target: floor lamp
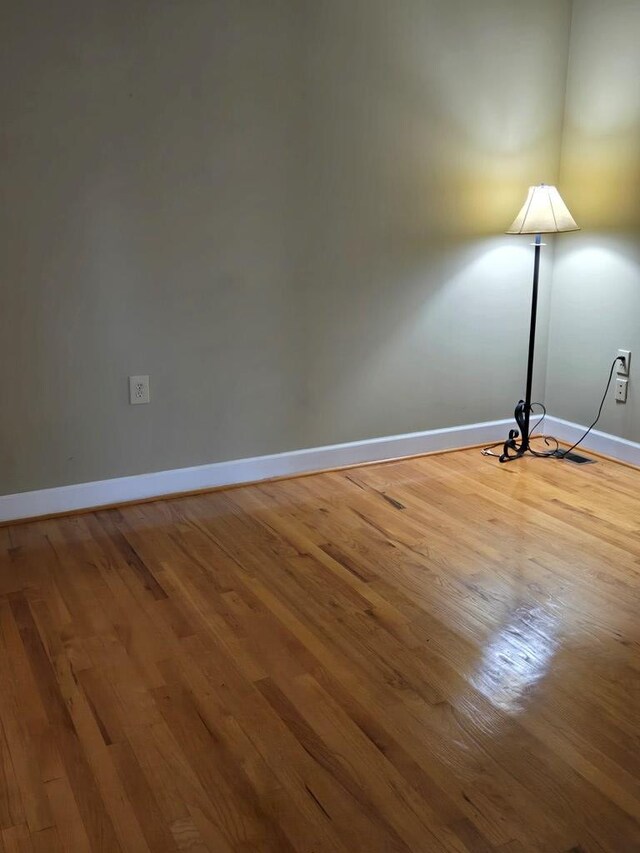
<point>543,212</point>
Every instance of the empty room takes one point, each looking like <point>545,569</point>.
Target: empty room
<point>320,426</point>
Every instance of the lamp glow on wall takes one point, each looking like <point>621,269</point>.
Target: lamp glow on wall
<point>544,212</point>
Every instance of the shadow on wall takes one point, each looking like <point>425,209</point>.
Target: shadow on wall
<point>439,343</point>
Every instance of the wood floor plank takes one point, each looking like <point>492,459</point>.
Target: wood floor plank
<point>21,762</point>
<point>17,839</point>
<point>46,841</point>
<point>12,810</point>
<point>435,654</point>
<point>97,823</point>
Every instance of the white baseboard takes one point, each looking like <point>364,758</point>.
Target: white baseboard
<point>161,483</point>
<point>600,442</point>
<point>144,486</point>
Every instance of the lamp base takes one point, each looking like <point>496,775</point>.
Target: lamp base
<point>519,441</point>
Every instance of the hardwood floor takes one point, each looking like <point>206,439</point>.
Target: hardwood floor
<point>440,654</point>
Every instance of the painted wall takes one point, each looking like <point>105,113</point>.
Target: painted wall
<point>427,122</point>
<point>287,213</point>
<point>596,279</point>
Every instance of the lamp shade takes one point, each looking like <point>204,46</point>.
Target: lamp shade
<point>543,212</point>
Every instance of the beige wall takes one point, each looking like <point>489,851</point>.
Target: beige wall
<point>288,213</point>
<point>596,282</point>
<point>426,124</point>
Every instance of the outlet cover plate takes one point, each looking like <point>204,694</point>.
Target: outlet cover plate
<point>621,390</point>
<point>623,369</point>
<point>139,390</point>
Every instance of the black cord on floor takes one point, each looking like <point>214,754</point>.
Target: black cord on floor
<point>562,453</point>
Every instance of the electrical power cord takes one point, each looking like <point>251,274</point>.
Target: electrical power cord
<point>556,453</point>
<point>562,453</point>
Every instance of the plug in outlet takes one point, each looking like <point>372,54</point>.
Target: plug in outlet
<point>621,390</point>
<point>624,366</point>
<point>139,390</point>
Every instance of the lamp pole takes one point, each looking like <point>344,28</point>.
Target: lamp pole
<point>532,331</point>
<point>512,447</point>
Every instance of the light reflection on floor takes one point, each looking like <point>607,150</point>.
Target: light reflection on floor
<point>517,658</point>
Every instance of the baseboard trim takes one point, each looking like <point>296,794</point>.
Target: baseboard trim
<point>160,484</point>
<point>600,443</point>
<point>142,487</point>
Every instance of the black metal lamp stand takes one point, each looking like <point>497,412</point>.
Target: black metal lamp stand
<point>518,442</point>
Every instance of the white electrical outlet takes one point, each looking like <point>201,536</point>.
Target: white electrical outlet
<point>139,390</point>
<point>621,390</point>
<point>623,367</point>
